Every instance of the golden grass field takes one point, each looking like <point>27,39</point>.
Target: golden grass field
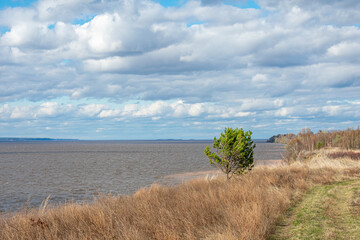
<point>245,207</point>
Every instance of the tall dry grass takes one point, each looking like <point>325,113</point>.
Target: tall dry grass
<point>307,141</point>
<point>244,208</point>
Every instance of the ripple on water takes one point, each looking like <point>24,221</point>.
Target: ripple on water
<point>30,172</point>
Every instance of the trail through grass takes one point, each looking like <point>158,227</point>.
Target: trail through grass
<point>326,212</point>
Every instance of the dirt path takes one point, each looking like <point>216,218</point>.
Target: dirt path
<point>326,212</point>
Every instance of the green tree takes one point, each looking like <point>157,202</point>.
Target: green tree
<point>234,152</point>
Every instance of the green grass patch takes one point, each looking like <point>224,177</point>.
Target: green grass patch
<point>326,212</point>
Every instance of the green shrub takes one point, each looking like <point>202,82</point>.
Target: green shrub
<point>234,152</point>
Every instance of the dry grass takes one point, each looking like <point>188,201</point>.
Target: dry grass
<point>307,141</point>
<point>247,207</point>
<point>324,158</point>
<point>353,155</point>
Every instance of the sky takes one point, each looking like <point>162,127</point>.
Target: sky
<point>177,69</point>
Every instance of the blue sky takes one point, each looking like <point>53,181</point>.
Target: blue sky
<point>142,69</point>
<point>15,3</point>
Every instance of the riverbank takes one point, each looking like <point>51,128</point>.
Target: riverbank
<point>177,178</point>
<point>247,207</point>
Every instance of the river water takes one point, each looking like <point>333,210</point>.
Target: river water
<point>76,171</point>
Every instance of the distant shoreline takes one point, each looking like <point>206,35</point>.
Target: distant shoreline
<point>35,140</point>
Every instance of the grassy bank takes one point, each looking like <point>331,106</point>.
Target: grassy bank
<point>247,207</point>
<point>326,212</point>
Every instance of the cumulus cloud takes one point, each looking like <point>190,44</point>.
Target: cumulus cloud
<point>324,12</point>
<point>156,109</point>
<point>282,62</point>
<point>345,51</point>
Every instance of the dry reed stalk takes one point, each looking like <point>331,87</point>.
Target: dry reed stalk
<point>207,208</point>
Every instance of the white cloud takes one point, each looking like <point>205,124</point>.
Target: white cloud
<point>156,110</point>
<point>48,109</point>
<point>52,10</point>
<point>92,109</point>
<point>288,60</point>
<point>332,110</point>
<point>21,112</point>
<point>261,104</point>
<point>259,78</point>
<point>44,110</point>
<point>284,112</point>
<point>196,109</point>
<point>345,50</point>
<point>110,113</point>
<point>296,17</point>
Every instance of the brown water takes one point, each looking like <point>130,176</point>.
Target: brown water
<point>31,171</point>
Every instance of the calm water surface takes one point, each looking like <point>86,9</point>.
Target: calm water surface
<point>31,171</point>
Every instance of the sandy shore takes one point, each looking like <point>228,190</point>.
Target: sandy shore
<point>186,176</point>
<point>271,162</point>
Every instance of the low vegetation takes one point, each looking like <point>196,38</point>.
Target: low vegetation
<point>247,207</point>
<point>299,146</point>
<point>345,154</point>
<point>344,139</point>
<point>326,212</point>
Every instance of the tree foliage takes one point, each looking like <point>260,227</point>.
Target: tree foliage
<point>234,152</point>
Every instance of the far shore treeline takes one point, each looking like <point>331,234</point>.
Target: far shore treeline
<point>33,139</point>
